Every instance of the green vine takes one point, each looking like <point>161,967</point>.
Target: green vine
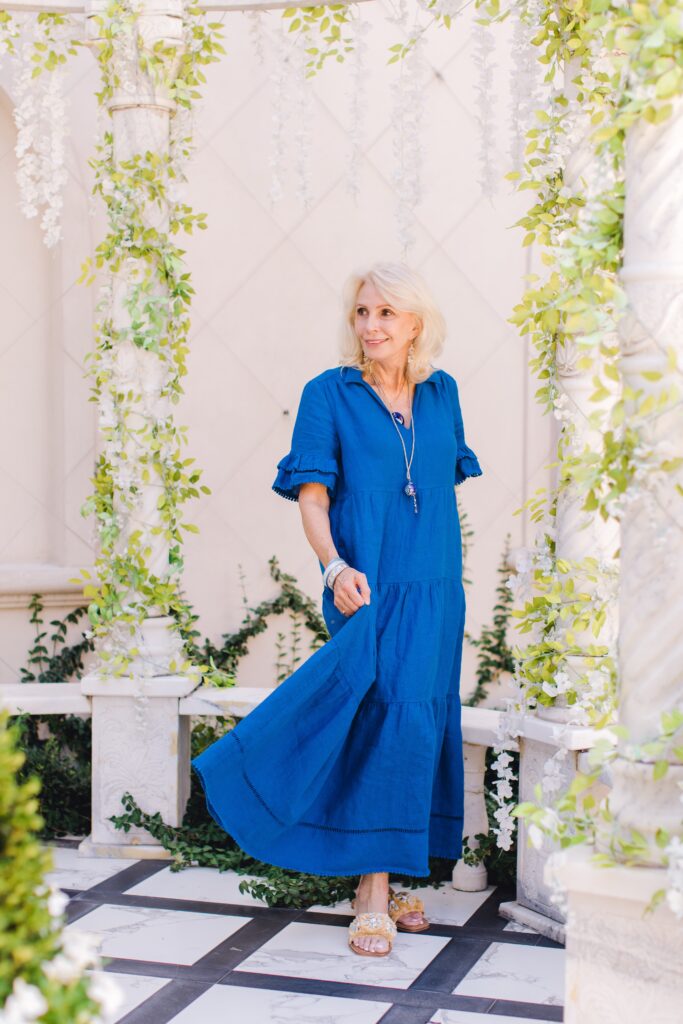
<point>494,656</point>
<point>143,447</point>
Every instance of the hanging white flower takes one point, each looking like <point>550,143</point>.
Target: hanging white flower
<point>525,86</point>
<point>407,124</point>
<point>40,115</point>
<point>484,47</point>
<point>359,71</point>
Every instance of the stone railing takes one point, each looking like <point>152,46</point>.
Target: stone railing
<point>141,745</point>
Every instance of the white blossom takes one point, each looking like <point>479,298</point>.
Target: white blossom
<point>24,1004</point>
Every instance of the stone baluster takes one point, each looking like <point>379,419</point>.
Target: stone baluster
<point>473,877</point>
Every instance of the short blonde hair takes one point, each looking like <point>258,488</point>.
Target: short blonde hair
<point>406,290</point>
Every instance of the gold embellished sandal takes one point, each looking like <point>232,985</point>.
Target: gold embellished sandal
<point>401,903</point>
<point>372,923</point>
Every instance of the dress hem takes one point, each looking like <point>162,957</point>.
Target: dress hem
<point>300,867</point>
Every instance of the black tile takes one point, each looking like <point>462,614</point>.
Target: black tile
<point>450,966</point>
<point>237,947</point>
<point>406,1015</point>
<point>138,871</point>
<point>166,1004</point>
<point>535,1011</point>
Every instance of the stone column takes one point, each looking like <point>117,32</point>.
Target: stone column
<point>651,594</point>
<point>579,534</point>
<point>624,964</point>
<point>140,743</point>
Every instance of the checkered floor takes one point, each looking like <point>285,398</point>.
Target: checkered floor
<point>189,948</point>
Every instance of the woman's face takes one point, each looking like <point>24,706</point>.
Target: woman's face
<point>384,332</point>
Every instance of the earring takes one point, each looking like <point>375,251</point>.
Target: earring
<point>410,353</point>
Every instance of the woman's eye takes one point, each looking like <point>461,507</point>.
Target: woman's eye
<point>389,311</point>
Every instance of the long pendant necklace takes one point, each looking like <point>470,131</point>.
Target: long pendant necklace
<point>409,488</point>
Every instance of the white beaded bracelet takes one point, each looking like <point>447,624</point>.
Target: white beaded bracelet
<point>332,570</point>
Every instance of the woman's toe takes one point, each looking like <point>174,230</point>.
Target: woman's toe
<point>414,917</point>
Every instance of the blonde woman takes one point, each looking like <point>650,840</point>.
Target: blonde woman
<point>353,766</point>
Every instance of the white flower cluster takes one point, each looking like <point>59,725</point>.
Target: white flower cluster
<point>303,110</point>
<point>526,93</point>
<point>407,123</point>
<point>360,29</point>
<point>257,34</point>
<point>40,114</point>
<point>484,47</point>
<point>674,876</point>
<point>281,90</point>
<point>504,828</point>
<point>77,955</point>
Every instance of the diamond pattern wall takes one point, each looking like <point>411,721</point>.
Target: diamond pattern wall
<point>268,278</point>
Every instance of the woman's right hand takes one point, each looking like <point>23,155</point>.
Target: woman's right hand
<point>351,590</point>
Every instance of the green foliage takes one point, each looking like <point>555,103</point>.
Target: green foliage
<point>62,661</point>
<point>322,29</point>
<point>142,448</point>
<point>235,645</point>
<point>494,655</point>
<point>29,934</point>
<point>57,749</point>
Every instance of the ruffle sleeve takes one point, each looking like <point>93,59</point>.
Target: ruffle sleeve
<point>466,462</point>
<point>298,468</point>
<point>314,454</point>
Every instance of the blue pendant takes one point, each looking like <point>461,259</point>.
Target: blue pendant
<point>398,416</point>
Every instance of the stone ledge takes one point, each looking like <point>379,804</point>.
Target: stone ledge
<point>574,870</point>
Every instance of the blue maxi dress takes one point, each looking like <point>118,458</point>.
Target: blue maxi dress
<point>354,763</point>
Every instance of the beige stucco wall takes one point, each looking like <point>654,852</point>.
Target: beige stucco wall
<point>267,279</point>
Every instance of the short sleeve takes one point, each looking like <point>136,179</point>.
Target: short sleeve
<point>315,446</point>
<point>466,462</point>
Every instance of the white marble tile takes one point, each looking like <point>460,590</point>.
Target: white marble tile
<point>465,1017</point>
<point>74,872</point>
<point>444,905</point>
<point>261,1006</point>
<point>135,988</point>
<point>321,951</point>
<point>529,974</point>
<point>515,926</point>
<point>206,885</point>
<point>161,936</point>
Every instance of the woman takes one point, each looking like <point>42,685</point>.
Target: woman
<point>353,766</point>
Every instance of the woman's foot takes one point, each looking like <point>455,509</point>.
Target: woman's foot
<point>372,895</point>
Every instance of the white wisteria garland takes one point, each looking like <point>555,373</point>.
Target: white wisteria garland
<point>526,94</point>
<point>360,30</point>
<point>484,48</point>
<point>407,131</point>
<point>38,48</point>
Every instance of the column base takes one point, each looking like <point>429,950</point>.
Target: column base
<point>135,851</point>
<point>469,877</point>
<point>514,911</point>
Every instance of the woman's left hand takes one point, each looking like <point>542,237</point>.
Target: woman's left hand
<point>351,590</point>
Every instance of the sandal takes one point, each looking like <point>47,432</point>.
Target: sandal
<point>401,903</point>
<point>372,923</point>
